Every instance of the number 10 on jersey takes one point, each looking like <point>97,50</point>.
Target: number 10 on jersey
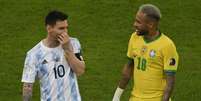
<point>141,63</point>
<point>59,71</point>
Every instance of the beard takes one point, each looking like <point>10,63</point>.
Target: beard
<point>142,32</point>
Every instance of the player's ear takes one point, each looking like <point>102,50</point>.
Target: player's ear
<point>49,28</point>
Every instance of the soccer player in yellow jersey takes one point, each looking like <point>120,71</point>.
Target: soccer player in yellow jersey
<point>153,59</point>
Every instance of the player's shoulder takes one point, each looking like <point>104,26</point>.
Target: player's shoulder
<point>167,41</point>
<point>34,53</point>
<point>134,36</point>
<point>35,49</point>
<point>74,39</point>
<point>76,44</point>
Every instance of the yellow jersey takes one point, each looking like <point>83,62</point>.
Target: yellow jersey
<point>151,61</point>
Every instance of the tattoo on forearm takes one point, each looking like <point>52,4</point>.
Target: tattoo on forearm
<point>169,88</point>
<point>126,75</point>
<point>27,92</point>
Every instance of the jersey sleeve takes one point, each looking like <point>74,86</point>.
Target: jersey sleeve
<point>130,44</point>
<point>29,71</point>
<point>77,48</point>
<point>171,58</point>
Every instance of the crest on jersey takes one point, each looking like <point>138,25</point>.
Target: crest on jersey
<point>143,50</point>
<point>172,62</point>
<point>152,53</point>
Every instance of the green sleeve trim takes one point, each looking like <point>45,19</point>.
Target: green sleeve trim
<point>170,72</point>
<point>130,60</point>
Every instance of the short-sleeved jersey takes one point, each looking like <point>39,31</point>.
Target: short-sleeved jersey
<point>57,80</point>
<point>151,61</point>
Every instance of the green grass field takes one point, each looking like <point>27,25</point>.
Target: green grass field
<point>103,28</point>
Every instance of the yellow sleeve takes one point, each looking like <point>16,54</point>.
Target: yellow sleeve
<point>171,58</point>
<point>130,44</point>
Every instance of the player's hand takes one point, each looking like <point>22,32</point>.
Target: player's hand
<point>64,40</point>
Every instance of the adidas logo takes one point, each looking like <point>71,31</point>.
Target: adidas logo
<point>44,62</point>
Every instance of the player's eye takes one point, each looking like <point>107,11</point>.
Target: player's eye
<point>61,28</point>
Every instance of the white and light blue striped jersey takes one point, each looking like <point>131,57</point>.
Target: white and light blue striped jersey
<point>57,80</point>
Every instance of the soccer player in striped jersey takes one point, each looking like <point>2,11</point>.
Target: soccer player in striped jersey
<point>55,61</point>
<point>152,59</point>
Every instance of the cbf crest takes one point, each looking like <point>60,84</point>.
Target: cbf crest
<point>152,53</point>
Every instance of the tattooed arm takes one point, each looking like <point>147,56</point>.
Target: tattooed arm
<point>27,91</point>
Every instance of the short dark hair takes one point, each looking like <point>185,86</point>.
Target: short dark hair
<point>54,16</point>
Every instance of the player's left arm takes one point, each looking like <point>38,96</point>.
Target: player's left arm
<point>127,72</point>
<point>27,91</point>
<point>171,59</point>
<point>170,79</point>
<point>76,64</point>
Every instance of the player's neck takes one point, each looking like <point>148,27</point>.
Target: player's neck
<point>50,42</point>
<point>152,35</point>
